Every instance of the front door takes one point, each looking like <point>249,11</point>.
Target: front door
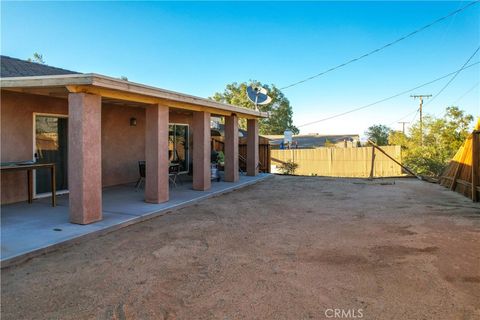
<point>51,145</point>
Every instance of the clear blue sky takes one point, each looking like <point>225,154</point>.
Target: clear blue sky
<point>197,48</point>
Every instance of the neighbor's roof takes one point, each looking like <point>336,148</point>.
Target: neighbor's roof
<point>314,140</point>
<point>13,67</point>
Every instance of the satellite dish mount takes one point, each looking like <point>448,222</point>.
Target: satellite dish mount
<point>258,96</point>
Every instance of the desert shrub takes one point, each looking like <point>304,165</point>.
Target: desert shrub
<point>289,167</point>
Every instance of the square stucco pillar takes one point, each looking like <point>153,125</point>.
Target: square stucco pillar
<point>231,148</point>
<point>85,157</point>
<point>156,154</point>
<point>252,147</point>
<point>201,151</point>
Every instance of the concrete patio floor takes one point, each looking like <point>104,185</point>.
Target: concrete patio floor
<point>31,229</point>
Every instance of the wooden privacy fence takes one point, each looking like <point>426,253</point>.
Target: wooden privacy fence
<point>264,150</point>
<point>463,172</point>
<point>342,162</point>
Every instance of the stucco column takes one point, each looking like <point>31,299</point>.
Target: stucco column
<point>85,157</point>
<point>156,154</point>
<point>231,148</point>
<point>252,147</point>
<point>201,151</point>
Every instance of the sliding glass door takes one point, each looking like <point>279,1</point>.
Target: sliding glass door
<point>178,145</point>
<point>51,146</point>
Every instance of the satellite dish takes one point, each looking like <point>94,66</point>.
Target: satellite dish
<point>258,96</point>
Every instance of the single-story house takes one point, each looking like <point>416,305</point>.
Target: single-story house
<point>97,128</point>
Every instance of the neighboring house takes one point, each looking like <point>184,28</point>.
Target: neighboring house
<point>96,128</point>
<point>308,141</point>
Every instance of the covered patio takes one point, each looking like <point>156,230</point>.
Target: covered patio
<point>109,126</point>
<point>31,229</point>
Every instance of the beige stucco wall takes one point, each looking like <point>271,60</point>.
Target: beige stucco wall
<point>122,145</point>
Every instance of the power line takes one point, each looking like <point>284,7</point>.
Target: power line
<point>442,113</point>
<point>389,98</point>
<point>441,90</point>
<point>383,47</point>
<point>453,78</point>
<point>415,115</point>
<point>466,92</point>
<point>460,3</point>
<point>409,114</point>
<point>437,115</point>
<point>405,116</point>
<point>450,81</point>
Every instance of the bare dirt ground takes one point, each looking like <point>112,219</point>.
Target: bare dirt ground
<point>285,248</point>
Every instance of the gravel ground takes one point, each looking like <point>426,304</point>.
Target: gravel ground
<point>285,248</point>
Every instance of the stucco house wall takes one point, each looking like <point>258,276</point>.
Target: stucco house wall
<point>123,145</point>
<point>17,136</point>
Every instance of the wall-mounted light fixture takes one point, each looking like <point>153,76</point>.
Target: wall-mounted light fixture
<point>133,122</point>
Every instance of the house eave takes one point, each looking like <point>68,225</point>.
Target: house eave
<point>108,86</point>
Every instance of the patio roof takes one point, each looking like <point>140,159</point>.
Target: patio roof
<point>121,90</point>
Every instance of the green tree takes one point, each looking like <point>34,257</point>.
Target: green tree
<point>379,134</point>
<point>398,138</point>
<point>37,58</point>
<point>279,109</point>
<point>442,137</point>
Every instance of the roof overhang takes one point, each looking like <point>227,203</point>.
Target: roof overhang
<point>118,89</point>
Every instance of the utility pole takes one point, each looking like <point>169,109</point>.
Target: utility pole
<point>421,96</point>
<point>403,125</point>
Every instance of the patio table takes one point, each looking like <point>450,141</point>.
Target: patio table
<point>29,167</point>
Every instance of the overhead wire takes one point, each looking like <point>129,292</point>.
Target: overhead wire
<point>382,47</point>
<point>415,115</point>
<point>453,77</point>
<point>388,98</point>
<point>466,92</point>
<point>405,116</point>
<point>442,113</point>
<point>438,114</point>
<point>443,88</point>
<point>442,39</point>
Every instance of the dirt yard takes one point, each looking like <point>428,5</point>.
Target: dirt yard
<point>285,248</point>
